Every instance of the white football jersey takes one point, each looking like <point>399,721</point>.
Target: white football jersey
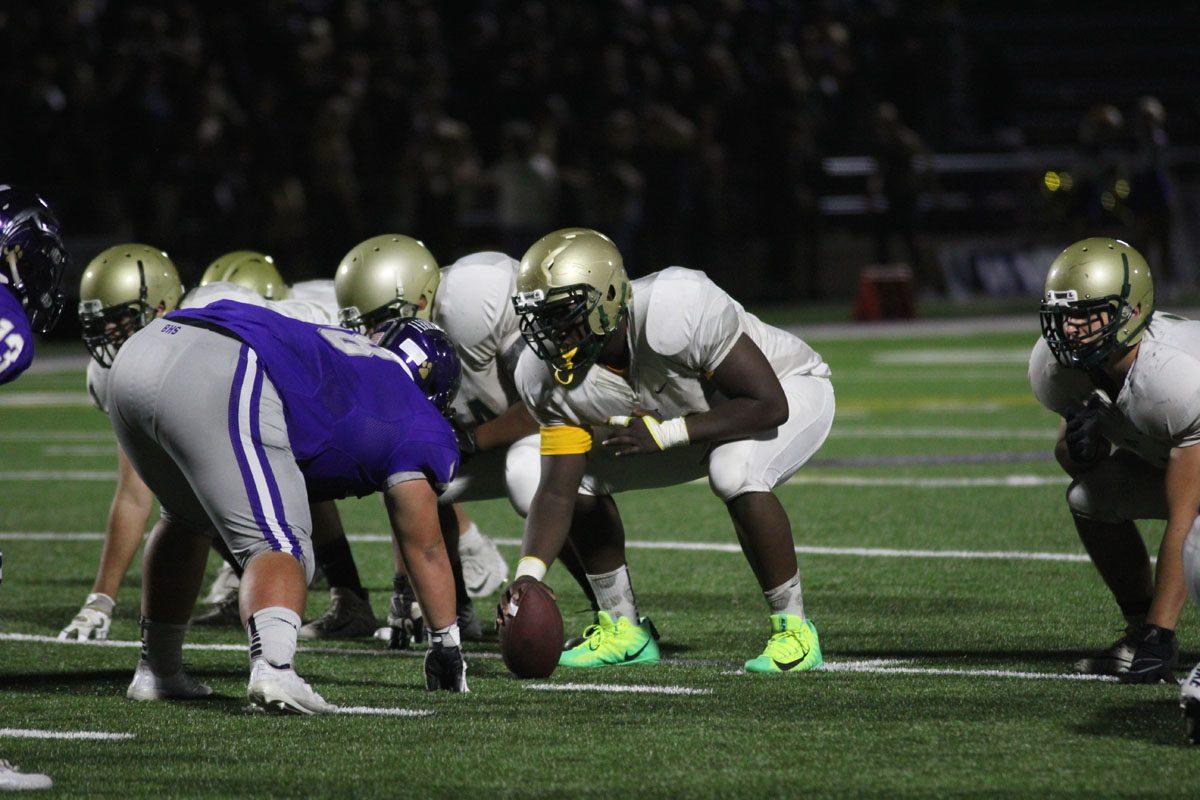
<point>311,301</point>
<point>1157,409</point>
<point>474,306</point>
<point>681,327</point>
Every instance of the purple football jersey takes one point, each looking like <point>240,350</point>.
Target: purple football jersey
<point>16,338</point>
<point>354,416</point>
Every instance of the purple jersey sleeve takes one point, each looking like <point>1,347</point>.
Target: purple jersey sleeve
<point>432,460</point>
<point>16,338</point>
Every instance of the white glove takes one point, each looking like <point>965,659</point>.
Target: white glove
<point>92,621</point>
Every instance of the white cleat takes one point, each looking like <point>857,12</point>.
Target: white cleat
<point>224,586</point>
<point>1189,702</point>
<point>484,569</point>
<point>13,780</point>
<point>92,621</point>
<point>180,686</point>
<point>282,691</point>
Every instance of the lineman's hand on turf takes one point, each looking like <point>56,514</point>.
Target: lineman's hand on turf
<point>1155,658</point>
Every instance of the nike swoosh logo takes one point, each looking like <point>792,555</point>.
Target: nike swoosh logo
<point>476,588</point>
<point>786,665</point>
<point>631,656</point>
<point>659,389</point>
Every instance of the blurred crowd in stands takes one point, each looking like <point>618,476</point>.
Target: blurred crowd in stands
<point>682,129</point>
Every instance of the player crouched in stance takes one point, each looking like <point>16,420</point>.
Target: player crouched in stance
<point>1126,381</point>
<point>669,362</point>
<point>32,263</point>
<point>236,417</point>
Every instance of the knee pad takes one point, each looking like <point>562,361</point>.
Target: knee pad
<point>729,474</point>
<point>1085,501</point>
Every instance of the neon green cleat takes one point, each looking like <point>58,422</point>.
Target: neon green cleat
<point>609,643</point>
<point>793,647</point>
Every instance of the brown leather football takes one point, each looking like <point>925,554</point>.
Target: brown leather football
<point>531,633</point>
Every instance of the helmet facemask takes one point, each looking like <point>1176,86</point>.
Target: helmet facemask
<point>567,326</point>
<point>353,319</point>
<point>104,330</point>
<point>35,264</point>
<point>1094,328</point>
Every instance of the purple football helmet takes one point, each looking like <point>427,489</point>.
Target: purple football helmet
<point>429,355</point>
<point>32,256</point>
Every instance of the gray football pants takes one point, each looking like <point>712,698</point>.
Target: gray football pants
<point>204,427</point>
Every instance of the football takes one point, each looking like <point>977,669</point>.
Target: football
<point>531,633</point>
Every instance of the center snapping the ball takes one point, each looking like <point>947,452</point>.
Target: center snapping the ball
<point>531,633</point>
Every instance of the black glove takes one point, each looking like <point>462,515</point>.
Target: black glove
<point>445,669</point>
<point>1155,658</point>
<point>1085,444</point>
<point>404,616</point>
<point>466,442</point>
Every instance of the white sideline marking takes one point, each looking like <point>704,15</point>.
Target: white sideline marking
<point>1047,434</point>
<point>616,688</point>
<point>710,547</point>
<point>383,712</point>
<point>44,400</point>
<point>33,733</point>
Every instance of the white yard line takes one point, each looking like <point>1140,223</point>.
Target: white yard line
<point>78,450</point>
<point>45,400</point>
<point>947,356</point>
<point>863,432</point>
<point>33,733</point>
<point>383,712</point>
<point>616,688</point>
<point>705,547</point>
<point>57,436</point>
<point>875,666</point>
<point>58,475</point>
<point>804,479</point>
<point>1006,481</point>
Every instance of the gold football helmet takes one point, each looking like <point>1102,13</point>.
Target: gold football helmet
<point>253,270</point>
<point>384,278</point>
<point>122,290</point>
<point>572,293</point>
<point>1098,300</point>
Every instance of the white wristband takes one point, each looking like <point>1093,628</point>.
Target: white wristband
<point>671,432</point>
<point>532,566</point>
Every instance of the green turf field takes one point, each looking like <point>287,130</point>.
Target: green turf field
<point>948,674</point>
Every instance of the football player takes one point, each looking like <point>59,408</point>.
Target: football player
<point>392,276</point>
<point>32,262</point>
<point>1126,381</point>
<point>236,417</point>
<point>253,270</point>
<point>122,290</point>
<point>677,381</point>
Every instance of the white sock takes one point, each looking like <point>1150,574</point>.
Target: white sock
<point>162,646</point>
<point>445,637</point>
<point>786,598</point>
<point>470,539</point>
<point>614,594</point>
<point>272,634</point>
